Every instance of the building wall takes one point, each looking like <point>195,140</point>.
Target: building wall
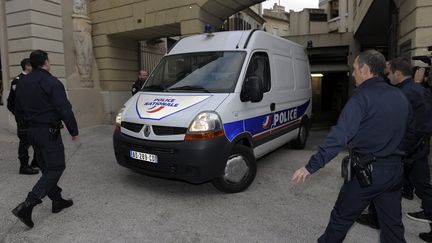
<point>250,18</point>
<point>118,26</point>
<point>360,10</point>
<point>34,25</point>
<point>300,23</point>
<point>4,113</point>
<point>277,20</point>
<point>415,27</point>
<point>277,26</point>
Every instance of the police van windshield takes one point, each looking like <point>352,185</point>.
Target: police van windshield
<point>203,72</point>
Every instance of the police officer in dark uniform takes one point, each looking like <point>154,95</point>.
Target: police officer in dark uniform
<point>372,124</point>
<point>416,161</point>
<point>137,85</point>
<point>21,125</point>
<point>41,100</point>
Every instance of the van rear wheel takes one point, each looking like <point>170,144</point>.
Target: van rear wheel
<point>300,141</point>
<point>240,170</point>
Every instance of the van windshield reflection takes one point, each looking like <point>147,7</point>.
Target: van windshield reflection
<point>203,72</point>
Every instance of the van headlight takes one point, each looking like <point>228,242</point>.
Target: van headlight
<point>118,118</point>
<point>206,125</point>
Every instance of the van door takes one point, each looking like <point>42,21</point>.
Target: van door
<point>292,94</point>
<point>258,116</point>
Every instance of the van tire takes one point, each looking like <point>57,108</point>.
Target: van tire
<point>300,141</point>
<point>239,157</point>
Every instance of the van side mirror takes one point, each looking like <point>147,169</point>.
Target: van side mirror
<point>252,90</point>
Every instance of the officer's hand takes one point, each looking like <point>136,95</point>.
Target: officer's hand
<point>300,174</point>
<point>74,138</point>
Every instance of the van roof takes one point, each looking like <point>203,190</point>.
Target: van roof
<point>232,41</point>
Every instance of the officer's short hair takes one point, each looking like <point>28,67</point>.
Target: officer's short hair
<point>25,62</point>
<point>38,58</point>
<point>401,64</point>
<point>375,61</point>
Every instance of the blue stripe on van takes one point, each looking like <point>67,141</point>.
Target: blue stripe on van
<point>265,123</point>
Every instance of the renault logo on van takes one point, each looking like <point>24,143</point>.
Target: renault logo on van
<point>146,130</point>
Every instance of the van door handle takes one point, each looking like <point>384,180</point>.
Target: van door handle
<point>272,107</point>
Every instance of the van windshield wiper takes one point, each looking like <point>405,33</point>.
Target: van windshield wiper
<point>153,88</point>
<point>189,87</point>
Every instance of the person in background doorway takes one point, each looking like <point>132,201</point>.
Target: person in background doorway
<point>137,85</point>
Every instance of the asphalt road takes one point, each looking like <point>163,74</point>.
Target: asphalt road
<point>114,204</point>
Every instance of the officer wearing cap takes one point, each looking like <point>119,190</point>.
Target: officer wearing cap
<point>21,125</point>
<point>372,125</point>
<point>41,100</point>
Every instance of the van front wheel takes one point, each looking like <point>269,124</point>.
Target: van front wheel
<point>240,170</point>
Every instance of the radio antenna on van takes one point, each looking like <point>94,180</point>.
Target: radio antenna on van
<point>238,43</point>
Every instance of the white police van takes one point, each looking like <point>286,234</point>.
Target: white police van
<point>213,105</point>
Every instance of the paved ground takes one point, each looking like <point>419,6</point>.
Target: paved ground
<point>113,204</point>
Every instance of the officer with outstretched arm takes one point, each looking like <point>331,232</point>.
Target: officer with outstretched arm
<point>372,125</point>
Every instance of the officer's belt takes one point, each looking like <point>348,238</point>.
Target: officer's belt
<point>393,157</point>
<point>39,124</point>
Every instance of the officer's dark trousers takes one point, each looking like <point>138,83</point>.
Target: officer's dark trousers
<point>419,175</point>
<point>51,158</point>
<point>24,146</point>
<point>385,193</point>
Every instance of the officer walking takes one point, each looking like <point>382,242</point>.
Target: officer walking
<point>41,100</point>
<point>416,161</point>
<point>21,125</point>
<point>372,125</point>
<point>137,85</point>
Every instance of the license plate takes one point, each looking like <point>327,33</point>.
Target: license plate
<point>144,156</point>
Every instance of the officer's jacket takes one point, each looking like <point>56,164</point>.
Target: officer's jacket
<point>373,121</point>
<point>415,94</point>
<point>12,93</point>
<point>41,99</point>
<point>137,85</point>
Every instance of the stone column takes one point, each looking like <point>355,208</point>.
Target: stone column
<point>82,72</point>
<point>47,25</point>
<point>83,42</point>
<point>31,25</point>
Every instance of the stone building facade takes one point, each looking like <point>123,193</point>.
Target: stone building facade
<point>94,45</point>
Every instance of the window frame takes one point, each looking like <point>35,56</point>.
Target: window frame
<point>265,56</point>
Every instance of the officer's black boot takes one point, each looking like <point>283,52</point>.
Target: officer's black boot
<point>408,194</point>
<point>24,213</point>
<point>368,220</point>
<point>426,236</point>
<point>59,205</point>
<point>34,164</point>
<point>27,170</point>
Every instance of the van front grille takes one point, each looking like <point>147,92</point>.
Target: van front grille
<point>165,131</point>
<point>134,127</point>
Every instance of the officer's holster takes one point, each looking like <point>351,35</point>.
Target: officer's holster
<point>346,169</point>
<point>54,129</point>
<point>361,166</point>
